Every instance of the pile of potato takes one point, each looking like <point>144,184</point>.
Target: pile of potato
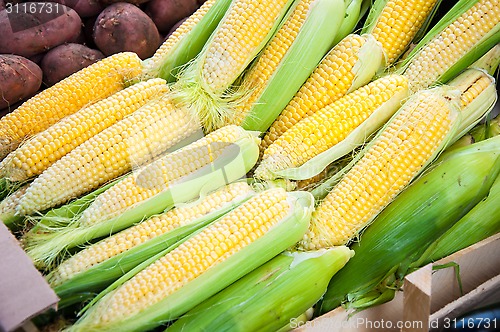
<point>45,41</point>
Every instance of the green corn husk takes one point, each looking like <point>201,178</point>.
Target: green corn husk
<point>102,274</point>
<point>486,130</point>
<point>452,186</point>
<point>269,297</point>
<point>354,12</point>
<point>236,160</point>
<point>218,276</point>
<point>478,224</point>
<point>490,61</point>
<point>166,63</point>
<point>486,42</point>
<point>314,39</point>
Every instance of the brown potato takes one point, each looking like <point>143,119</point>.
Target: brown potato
<point>64,60</point>
<point>20,78</point>
<point>29,28</point>
<point>124,27</point>
<point>165,13</point>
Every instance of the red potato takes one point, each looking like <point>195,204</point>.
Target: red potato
<point>165,13</point>
<point>64,60</point>
<point>27,31</point>
<point>84,8</point>
<point>20,78</point>
<point>124,27</point>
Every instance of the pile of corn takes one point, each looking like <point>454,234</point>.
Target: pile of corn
<point>249,185</point>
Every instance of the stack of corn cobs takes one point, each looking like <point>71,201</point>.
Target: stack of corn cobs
<point>272,161</point>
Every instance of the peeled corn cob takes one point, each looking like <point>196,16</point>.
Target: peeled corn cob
<point>99,264</point>
<point>84,87</point>
<point>343,124</point>
<point>243,32</point>
<point>463,35</point>
<point>42,150</point>
<point>394,23</point>
<point>8,207</point>
<point>410,140</point>
<point>355,60</point>
<point>294,281</point>
<point>219,158</point>
<point>306,35</point>
<point>204,264</point>
<point>349,65</point>
<point>135,140</point>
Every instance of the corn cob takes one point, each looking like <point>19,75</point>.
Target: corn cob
<point>477,96</point>
<point>294,281</point>
<point>395,23</point>
<point>306,35</point>
<point>354,61</point>
<point>341,125</point>
<point>86,86</point>
<point>219,158</point>
<point>99,264</point>
<point>204,264</point>
<point>242,33</point>
<point>349,65</point>
<point>462,36</point>
<point>433,203</point>
<point>408,142</point>
<point>42,150</point>
<point>135,140</point>
<point>8,207</point>
<point>186,41</point>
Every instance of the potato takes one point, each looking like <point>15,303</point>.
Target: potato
<point>165,13</point>
<point>84,8</point>
<point>20,78</point>
<point>124,27</point>
<point>134,2</point>
<point>64,60</point>
<point>29,28</point>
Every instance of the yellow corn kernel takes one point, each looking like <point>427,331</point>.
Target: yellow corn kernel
<point>456,40</point>
<point>135,140</point>
<point>9,204</point>
<point>331,80</point>
<point>393,159</point>
<point>258,76</point>
<point>398,24</point>
<point>147,230</point>
<point>211,247</point>
<point>50,145</point>
<point>328,126</point>
<point>95,82</point>
<point>233,46</point>
<point>158,175</point>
